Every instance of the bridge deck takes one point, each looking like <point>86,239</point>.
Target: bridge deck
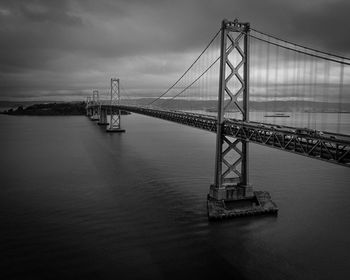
<point>306,143</point>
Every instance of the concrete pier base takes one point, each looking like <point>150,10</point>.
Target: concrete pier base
<point>103,123</point>
<point>231,192</point>
<point>117,130</point>
<point>94,118</point>
<point>259,203</point>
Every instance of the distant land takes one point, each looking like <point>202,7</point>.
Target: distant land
<point>15,104</point>
<point>49,109</point>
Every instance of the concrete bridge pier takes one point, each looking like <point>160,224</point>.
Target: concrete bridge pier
<point>95,106</point>
<point>88,107</point>
<point>103,117</point>
<point>95,114</point>
<point>88,112</point>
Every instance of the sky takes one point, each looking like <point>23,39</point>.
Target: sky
<point>62,50</point>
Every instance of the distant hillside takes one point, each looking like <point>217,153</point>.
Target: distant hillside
<point>5,105</point>
<point>50,109</point>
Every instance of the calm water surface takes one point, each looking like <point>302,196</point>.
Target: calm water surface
<point>77,203</point>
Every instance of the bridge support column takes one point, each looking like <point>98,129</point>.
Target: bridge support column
<point>88,107</point>
<point>95,116</point>
<point>231,194</point>
<point>103,117</point>
<point>95,106</point>
<point>89,112</point>
<point>115,120</point>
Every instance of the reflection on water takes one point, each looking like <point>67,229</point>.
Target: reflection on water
<point>77,203</point>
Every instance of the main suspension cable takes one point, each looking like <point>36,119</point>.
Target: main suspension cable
<point>300,51</point>
<point>211,41</point>
<point>300,46</point>
<point>211,65</point>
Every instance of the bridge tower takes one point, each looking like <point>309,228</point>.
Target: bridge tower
<point>231,179</point>
<point>102,112</point>
<point>95,106</point>
<point>88,106</point>
<point>115,120</point>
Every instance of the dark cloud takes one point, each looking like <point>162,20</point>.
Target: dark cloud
<point>324,26</point>
<point>44,12</point>
<point>75,45</point>
<point>40,11</point>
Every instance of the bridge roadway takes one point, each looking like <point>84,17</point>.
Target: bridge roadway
<point>323,146</point>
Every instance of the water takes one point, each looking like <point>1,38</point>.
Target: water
<point>78,203</point>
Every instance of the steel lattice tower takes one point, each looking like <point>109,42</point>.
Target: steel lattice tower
<point>115,120</point>
<point>96,103</point>
<point>231,165</point>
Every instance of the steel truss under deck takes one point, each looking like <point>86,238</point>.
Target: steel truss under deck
<point>314,146</point>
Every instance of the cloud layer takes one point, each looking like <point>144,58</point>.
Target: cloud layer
<point>56,50</point>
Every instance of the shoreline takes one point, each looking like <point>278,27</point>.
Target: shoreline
<point>51,109</point>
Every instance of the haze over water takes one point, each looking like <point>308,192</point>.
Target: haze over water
<point>78,203</point>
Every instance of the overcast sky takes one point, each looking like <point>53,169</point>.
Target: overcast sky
<point>57,50</point>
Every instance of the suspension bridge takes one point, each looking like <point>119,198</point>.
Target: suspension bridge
<point>249,86</point>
